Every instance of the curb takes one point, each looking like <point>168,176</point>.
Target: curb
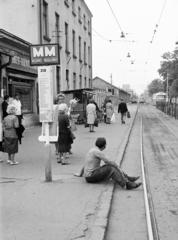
<point>100,224</point>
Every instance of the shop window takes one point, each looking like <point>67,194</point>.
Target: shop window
<point>25,93</point>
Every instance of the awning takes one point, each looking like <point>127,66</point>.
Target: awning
<point>21,76</point>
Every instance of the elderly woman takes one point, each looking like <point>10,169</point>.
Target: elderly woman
<point>10,124</point>
<point>109,111</point>
<point>65,139</point>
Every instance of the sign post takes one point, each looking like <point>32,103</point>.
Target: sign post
<point>44,56</point>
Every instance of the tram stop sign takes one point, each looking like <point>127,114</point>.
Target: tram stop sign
<point>44,54</point>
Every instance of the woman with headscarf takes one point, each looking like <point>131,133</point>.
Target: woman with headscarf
<point>10,124</point>
<point>65,139</point>
<point>109,111</point>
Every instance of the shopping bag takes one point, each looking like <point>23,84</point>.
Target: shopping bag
<point>113,118</point>
<point>128,114</point>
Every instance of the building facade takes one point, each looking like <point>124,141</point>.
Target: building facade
<point>65,22</point>
<point>16,74</point>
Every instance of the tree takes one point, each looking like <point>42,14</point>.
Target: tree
<point>169,71</point>
<point>155,86</point>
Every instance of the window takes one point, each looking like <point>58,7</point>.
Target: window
<point>84,22</point>
<point>79,15</point>
<point>73,8</point>
<point>73,44</point>
<point>85,82</point>
<point>57,28</point>
<point>67,78</point>
<point>74,80</point>
<point>80,81</point>
<point>80,53</point>
<point>66,3</point>
<point>66,39</point>
<point>58,79</point>
<point>89,56</point>
<point>84,53</point>
<point>45,20</point>
<point>89,27</point>
<point>90,83</point>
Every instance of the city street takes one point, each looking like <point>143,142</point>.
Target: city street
<point>67,208</point>
<point>34,209</point>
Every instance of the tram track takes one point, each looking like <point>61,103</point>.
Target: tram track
<point>150,218</point>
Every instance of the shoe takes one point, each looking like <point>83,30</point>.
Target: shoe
<point>14,163</point>
<point>132,185</point>
<point>133,179</point>
<point>1,160</point>
<point>64,162</point>
<point>8,161</point>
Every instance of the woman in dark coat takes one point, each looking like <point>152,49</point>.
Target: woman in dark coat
<point>65,139</point>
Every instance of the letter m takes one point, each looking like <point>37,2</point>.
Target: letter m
<point>37,52</point>
<point>50,52</point>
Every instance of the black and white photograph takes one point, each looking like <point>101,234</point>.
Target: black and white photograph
<point>88,120</point>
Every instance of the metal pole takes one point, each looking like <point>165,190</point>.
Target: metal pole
<point>48,171</point>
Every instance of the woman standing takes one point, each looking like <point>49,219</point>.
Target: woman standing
<point>91,114</point>
<point>11,123</point>
<point>109,111</point>
<point>65,139</point>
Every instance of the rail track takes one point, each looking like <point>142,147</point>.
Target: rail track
<point>151,229</point>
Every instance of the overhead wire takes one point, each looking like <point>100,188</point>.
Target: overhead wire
<point>114,15</point>
<point>159,20</point>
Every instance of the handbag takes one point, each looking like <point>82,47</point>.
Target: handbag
<point>113,118</point>
<point>128,114</point>
<point>96,122</point>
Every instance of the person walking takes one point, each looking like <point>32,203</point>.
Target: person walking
<point>122,108</point>
<point>91,114</point>
<point>109,111</point>
<point>10,125</point>
<point>94,172</point>
<point>65,139</point>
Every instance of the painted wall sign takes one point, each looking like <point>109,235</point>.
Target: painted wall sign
<point>44,54</point>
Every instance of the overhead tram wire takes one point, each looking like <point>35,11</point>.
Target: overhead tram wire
<point>122,32</point>
<point>159,20</point>
<point>111,40</point>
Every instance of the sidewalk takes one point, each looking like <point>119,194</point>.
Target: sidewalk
<point>63,209</point>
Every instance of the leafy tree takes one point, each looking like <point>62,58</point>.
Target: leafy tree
<point>155,86</point>
<point>169,71</point>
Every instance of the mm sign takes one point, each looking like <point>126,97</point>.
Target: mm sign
<point>45,54</point>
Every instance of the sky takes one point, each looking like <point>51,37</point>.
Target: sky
<point>137,19</point>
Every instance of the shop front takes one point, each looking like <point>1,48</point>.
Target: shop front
<point>18,76</point>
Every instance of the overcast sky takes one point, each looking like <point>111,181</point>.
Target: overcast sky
<point>138,20</point>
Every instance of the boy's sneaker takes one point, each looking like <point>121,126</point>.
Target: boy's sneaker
<point>132,185</point>
<point>133,179</point>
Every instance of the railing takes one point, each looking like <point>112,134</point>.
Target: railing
<point>169,108</point>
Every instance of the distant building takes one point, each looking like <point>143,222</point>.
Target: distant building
<point>104,89</point>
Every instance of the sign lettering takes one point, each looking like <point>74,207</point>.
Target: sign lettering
<point>46,54</point>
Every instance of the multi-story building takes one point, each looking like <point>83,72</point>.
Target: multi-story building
<point>66,22</point>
